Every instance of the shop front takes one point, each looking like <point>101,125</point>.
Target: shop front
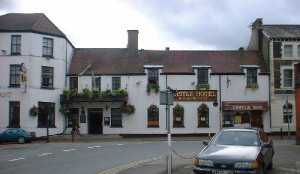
<point>244,114</point>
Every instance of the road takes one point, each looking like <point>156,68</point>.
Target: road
<point>95,157</point>
<point>83,158</point>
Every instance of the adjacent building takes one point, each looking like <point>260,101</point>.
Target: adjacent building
<point>280,47</point>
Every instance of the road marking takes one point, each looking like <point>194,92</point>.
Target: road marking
<point>285,169</point>
<point>120,144</point>
<point>17,159</point>
<point>68,150</point>
<point>44,154</point>
<point>131,165</point>
<point>93,147</point>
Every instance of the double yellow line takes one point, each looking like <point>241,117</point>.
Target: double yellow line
<point>131,165</point>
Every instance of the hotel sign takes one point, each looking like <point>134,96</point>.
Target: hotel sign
<point>195,95</point>
<point>243,105</point>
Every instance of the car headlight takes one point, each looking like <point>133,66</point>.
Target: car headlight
<point>205,163</point>
<point>246,165</point>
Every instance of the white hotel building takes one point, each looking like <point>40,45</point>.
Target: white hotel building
<point>232,85</point>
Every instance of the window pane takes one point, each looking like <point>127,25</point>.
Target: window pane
<point>45,109</point>
<point>47,77</point>
<point>116,83</point>
<point>203,116</point>
<point>47,47</point>
<point>73,82</point>
<point>116,117</point>
<point>14,114</point>
<point>251,76</point>
<point>298,50</point>
<point>153,76</point>
<point>73,117</point>
<point>288,51</point>
<point>15,72</point>
<point>16,44</point>
<point>202,76</point>
<point>288,77</point>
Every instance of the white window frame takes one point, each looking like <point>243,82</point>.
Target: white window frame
<point>284,50</point>
<point>282,76</point>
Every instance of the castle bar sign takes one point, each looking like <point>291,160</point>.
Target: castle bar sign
<point>195,95</point>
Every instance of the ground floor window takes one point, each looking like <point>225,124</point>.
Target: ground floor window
<point>46,111</point>
<point>227,118</point>
<point>153,116</point>
<point>73,117</point>
<point>14,114</point>
<point>287,113</point>
<point>116,117</point>
<point>178,116</point>
<point>203,116</point>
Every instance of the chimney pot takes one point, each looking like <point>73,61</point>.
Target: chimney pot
<point>167,48</point>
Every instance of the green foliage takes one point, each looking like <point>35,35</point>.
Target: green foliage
<point>253,86</point>
<point>127,109</point>
<point>201,86</point>
<point>153,86</point>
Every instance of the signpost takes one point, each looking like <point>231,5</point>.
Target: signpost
<point>166,98</point>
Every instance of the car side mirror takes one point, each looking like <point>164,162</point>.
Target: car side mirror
<point>266,145</point>
<point>205,142</point>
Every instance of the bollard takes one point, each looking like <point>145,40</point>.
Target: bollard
<point>281,133</point>
<point>72,136</point>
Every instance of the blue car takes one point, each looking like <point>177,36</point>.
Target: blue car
<point>18,135</point>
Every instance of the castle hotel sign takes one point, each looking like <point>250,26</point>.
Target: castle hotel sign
<point>195,95</point>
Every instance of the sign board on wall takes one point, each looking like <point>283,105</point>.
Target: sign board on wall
<point>196,95</point>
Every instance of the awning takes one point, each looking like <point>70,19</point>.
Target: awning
<point>245,105</point>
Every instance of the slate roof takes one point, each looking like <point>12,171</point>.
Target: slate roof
<point>282,31</point>
<point>116,61</point>
<point>31,22</point>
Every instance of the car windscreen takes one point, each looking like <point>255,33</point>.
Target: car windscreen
<point>240,138</point>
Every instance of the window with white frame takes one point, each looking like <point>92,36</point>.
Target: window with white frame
<point>153,76</point>
<point>47,77</point>
<point>288,77</point>
<point>16,44</point>
<point>203,76</point>
<point>15,73</point>
<point>288,50</point>
<point>116,83</point>
<point>47,47</point>
<point>14,114</point>
<point>251,76</point>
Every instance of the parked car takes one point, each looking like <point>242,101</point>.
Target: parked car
<point>236,151</point>
<point>18,135</point>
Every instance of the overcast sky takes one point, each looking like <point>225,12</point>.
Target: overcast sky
<point>178,24</point>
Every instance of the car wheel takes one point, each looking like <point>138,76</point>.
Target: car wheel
<point>270,166</point>
<point>21,140</point>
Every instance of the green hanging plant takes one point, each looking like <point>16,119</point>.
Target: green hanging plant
<point>153,86</point>
<point>203,86</point>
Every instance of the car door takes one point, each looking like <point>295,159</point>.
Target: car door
<point>266,151</point>
<point>8,135</point>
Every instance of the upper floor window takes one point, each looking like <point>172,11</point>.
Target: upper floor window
<point>153,76</point>
<point>298,50</point>
<point>288,50</point>
<point>15,74</point>
<point>116,83</point>
<point>46,112</point>
<point>47,77</point>
<point>203,76</point>
<point>73,83</point>
<point>47,47</point>
<point>288,77</point>
<point>287,113</point>
<point>98,83</point>
<point>277,49</point>
<point>14,114</point>
<point>251,76</point>
<point>16,44</point>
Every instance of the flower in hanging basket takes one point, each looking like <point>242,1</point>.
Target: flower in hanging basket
<point>203,108</point>
<point>34,111</point>
<point>127,109</point>
<point>178,110</point>
<point>153,110</point>
<point>65,109</point>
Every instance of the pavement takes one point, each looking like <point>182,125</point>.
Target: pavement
<point>285,148</point>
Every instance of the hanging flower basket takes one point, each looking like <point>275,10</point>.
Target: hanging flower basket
<point>153,110</point>
<point>127,109</point>
<point>203,108</point>
<point>34,111</point>
<point>65,109</point>
<point>178,110</point>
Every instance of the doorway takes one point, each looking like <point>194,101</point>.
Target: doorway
<point>256,119</point>
<point>95,121</point>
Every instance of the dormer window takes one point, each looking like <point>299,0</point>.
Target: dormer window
<point>202,76</point>
<point>153,76</point>
<point>252,76</point>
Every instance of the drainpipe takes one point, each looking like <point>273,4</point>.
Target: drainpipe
<point>220,107</point>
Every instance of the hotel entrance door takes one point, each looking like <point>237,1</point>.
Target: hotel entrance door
<point>95,121</point>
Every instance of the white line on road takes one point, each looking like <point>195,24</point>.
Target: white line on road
<point>17,159</point>
<point>44,154</point>
<point>120,144</point>
<point>93,147</point>
<point>68,150</point>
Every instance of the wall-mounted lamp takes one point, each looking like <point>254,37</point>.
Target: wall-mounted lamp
<point>3,51</point>
<point>138,82</point>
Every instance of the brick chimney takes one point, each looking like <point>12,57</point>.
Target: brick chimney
<point>132,46</point>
